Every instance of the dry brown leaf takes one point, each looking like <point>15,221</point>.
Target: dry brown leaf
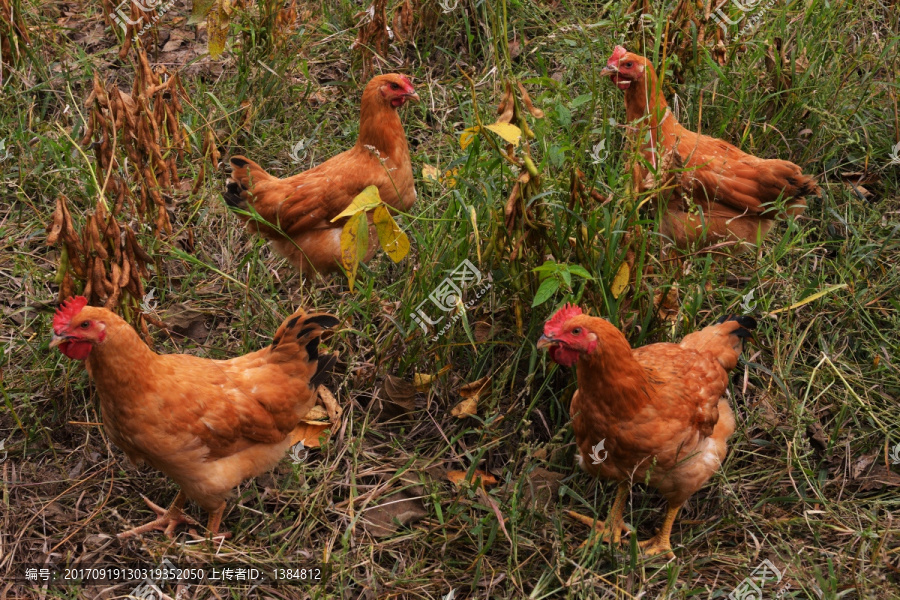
<point>309,432</point>
<point>541,488</point>
<point>478,477</point>
<point>398,398</point>
<point>475,388</point>
<point>332,408</point>
<point>466,408</point>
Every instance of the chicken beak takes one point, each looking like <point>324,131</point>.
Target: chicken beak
<point>56,340</point>
<point>608,71</point>
<point>412,96</point>
<point>545,342</point>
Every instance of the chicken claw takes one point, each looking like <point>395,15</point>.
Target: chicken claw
<point>659,543</point>
<point>168,519</point>
<point>611,530</point>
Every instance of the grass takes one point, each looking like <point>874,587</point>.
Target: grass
<point>808,483</point>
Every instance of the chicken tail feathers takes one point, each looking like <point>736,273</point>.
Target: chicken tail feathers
<point>299,335</point>
<point>725,339</point>
<point>243,177</point>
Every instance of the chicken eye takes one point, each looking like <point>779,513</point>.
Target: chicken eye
<point>629,64</point>
<point>576,331</point>
<point>394,86</point>
<point>85,325</point>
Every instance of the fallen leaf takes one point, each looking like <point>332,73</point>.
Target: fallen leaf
<point>310,433</point>
<point>541,488</point>
<point>399,398</point>
<point>474,389</point>
<point>332,409</point>
<point>809,299</point>
<point>466,408</point>
<point>482,331</point>
<point>667,304</point>
<point>458,477</point>
<point>422,381</point>
<point>430,173</point>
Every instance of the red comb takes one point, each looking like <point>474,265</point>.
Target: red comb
<point>66,311</point>
<point>406,80</point>
<point>556,322</point>
<point>618,53</point>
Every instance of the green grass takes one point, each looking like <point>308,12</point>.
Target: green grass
<point>808,482</point>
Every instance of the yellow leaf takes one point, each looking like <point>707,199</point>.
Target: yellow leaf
<point>391,237</point>
<point>809,299</point>
<point>354,244</point>
<point>430,173</point>
<point>474,218</point>
<point>422,381</point>
<point>366,199</point>
<point>466,408</point>
<point>620,282</point>
<point>468,136</point>
<point>217,22</point>
<point>507,131</point>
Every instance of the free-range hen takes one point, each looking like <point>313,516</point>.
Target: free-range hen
<point>207,424</point>
<point>724,193</point>
<point>656,413</point>
<point>303,205</point>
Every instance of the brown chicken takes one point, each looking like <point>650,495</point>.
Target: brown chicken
<point>303,205</point>
<point>656,412</point>
<point>207,424</point>
<point>736,193</point>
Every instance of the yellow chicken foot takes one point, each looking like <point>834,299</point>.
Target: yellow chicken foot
<point>614,527</point>
<point>659,544</point>
<point>168,519</point>
<point>212,526</point>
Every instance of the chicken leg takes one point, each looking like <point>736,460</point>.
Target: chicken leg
<point>659,543</point>
<point>614,527</point>
<point>168,519</point>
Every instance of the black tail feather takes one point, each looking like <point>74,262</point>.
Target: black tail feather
<point>746,322</point>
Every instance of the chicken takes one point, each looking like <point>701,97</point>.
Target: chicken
<point>736,192</point>
<point>207,424</point>
<point>302,205</point>
<point>657,412</point>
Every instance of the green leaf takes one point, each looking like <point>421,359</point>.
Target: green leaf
<point>366,199</point>
<point>390,236</point>
<point>354,244</point>
<point>549,266</point>
<point>566,275</point>
<point>545,291</point>
<point>580,271</point>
